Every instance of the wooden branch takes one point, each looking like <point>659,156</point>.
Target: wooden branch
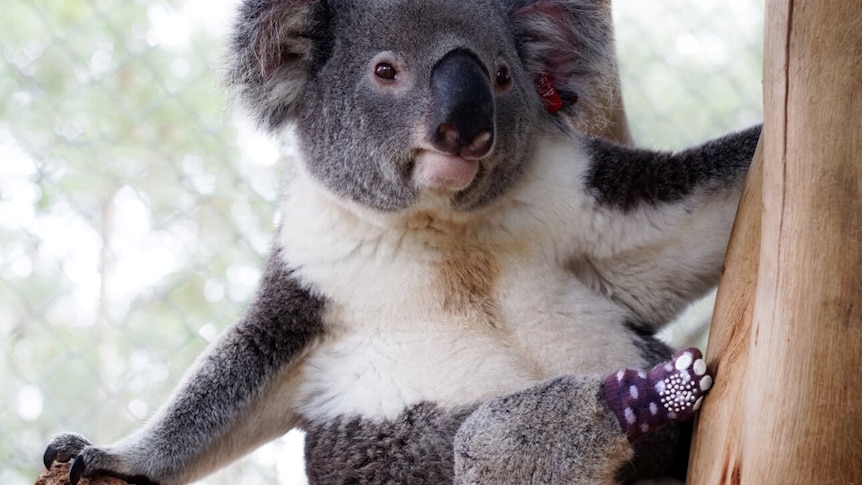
<point>789,411</point>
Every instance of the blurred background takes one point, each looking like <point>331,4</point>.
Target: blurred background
<point>136,210</point>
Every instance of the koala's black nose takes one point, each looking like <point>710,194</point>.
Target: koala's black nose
<point>462,106</point>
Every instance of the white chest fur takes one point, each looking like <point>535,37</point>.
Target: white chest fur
<point>453,312</point>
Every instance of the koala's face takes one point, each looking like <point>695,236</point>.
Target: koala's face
<point>395,98</point>
<point>417,96</point>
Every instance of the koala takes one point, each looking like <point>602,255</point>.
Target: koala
<point>464,287</point>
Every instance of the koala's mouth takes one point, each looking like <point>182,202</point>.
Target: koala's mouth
<point>442,172</point>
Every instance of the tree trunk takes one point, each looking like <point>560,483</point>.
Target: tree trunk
<point>717,435</point>
<point>786,408</point>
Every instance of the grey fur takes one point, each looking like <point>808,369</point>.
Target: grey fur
<point>626,179</point>
<point>415,448</point>
<point>308,65</point>
<point>553,433</point>
<point>276,46</point>
<point>573,43</point>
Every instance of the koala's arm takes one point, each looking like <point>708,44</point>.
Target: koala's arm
<point>224,407</point>
<point>660,222</point>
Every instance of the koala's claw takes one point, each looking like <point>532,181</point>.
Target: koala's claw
<point>64,447</point>
<point>77,470</point>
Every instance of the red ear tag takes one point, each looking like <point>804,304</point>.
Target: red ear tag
<point>549,95</point>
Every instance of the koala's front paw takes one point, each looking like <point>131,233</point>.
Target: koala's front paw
<point>671,391</point>
<point>63,448</point>
<point>87,460</point>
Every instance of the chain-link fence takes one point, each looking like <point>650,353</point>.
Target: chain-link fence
<point>135,211</point>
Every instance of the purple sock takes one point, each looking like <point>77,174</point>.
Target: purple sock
<point>671,391</point>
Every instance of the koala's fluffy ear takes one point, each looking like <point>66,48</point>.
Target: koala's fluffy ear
<point>571,43</point>
<point>274,45</point>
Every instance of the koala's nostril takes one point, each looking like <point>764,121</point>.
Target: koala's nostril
<point>480,146</point>
<point>448,137</point>
<point>451,140</point>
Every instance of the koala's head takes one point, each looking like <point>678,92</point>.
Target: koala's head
<point>393,98</point>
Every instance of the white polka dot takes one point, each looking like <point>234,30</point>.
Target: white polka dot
<point>642,374</point>
<point>668,367</point>
<point>685,376</point>
<point>684,361</point>
<point>633,390</point>
<point>644,427</point>
<point>653,408</point>
<point>620,375</point>
<point>671,415</point>
<point>630,416</point>
<point>660,387</point>
<point>698,403</point>
<point>699,367</point>
<point>706,383</point>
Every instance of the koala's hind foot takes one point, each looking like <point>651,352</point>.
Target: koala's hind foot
<point>672,391</point>
<point>558,431</point>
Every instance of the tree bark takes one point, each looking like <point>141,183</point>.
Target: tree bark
<point>785,409</point>
<point>716,434</point>
<point>59,475</point>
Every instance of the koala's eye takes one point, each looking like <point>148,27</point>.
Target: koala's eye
<point>502,78</point>
<point>384,70</point>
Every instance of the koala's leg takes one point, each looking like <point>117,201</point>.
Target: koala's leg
<point>580,430</point>
<point>558,432</point>
<point>413,448</point>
